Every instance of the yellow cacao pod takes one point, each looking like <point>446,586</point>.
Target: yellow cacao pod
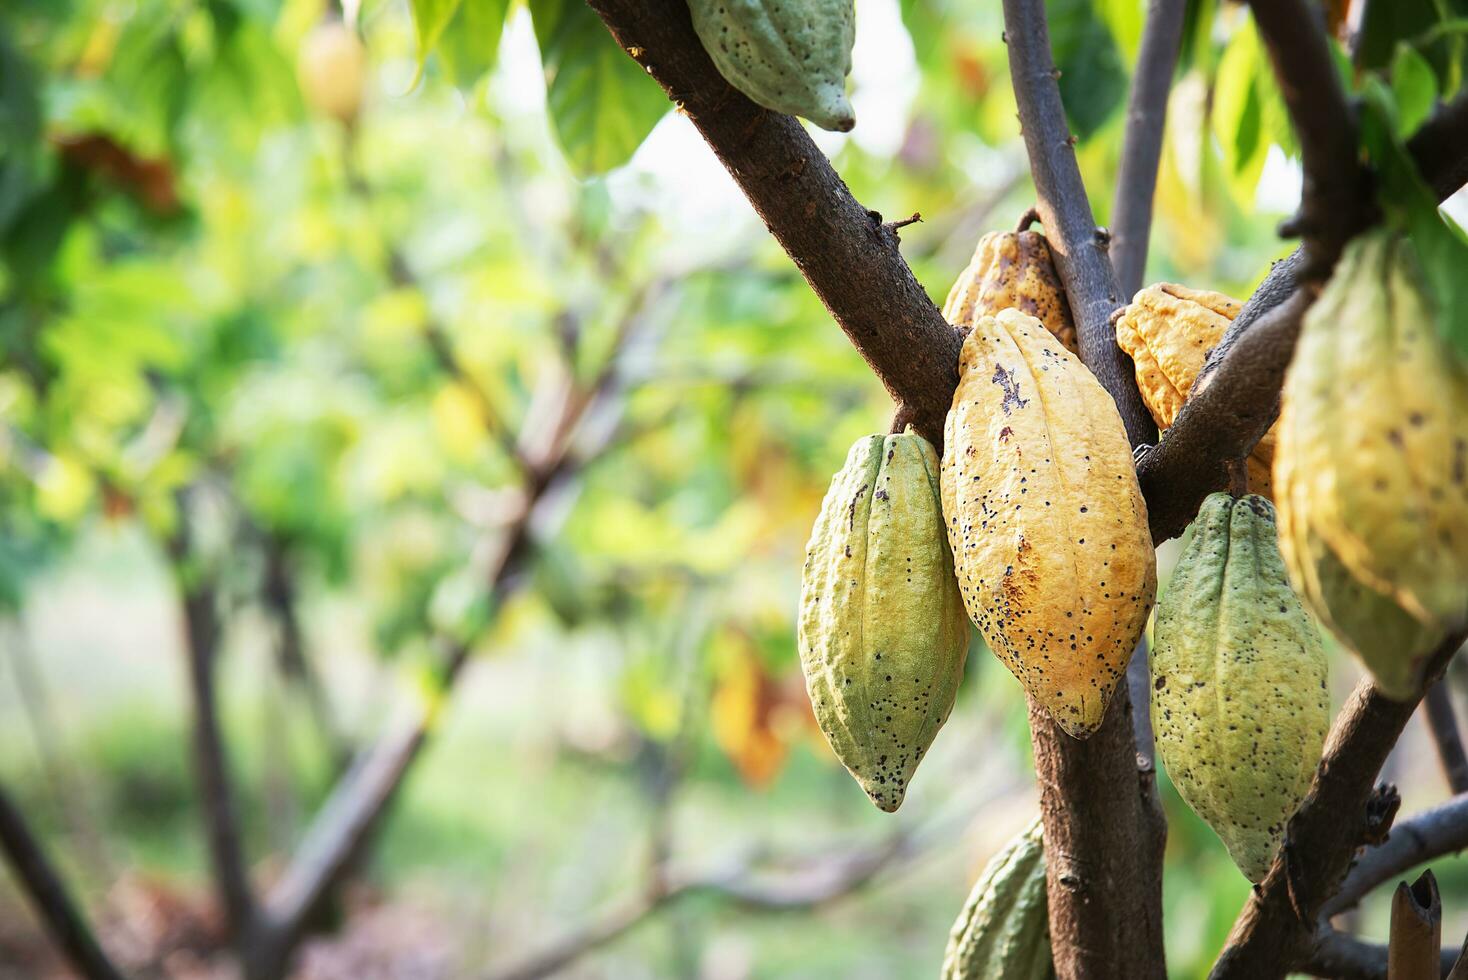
<point>883,637</point>
<point>1012,270</point>
<point>1168,330</point>
<point>1239,700</point>
<point>1003,932</point>
<point>1372,464</point>
<point>1047,523</point>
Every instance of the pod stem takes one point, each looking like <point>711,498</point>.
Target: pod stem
<point>1238,477</point>
<point>1027,219</point>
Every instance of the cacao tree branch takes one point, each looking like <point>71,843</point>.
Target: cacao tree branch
<point>846,253</point>
<point>1104,829</point>
<point>202,636</point>
<point>1427,835</point>
<point>1079,247</point>
<point>1141,148</point>
<point>49,897</point>
<point>1342,957</point>
<point>1275,931</point>
<point>740,885</point>
<point>1440,146</point>
<point>1442,722</point>
<point>1335,201</point>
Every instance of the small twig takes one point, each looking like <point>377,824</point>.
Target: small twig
<point>1442,721</point>
<point>904,222</point>
<point>1414,951</point>
<point>1422,837</point>
<point>1141,151</point>
<point>48,896</point>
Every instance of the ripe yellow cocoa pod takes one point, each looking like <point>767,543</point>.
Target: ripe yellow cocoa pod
<point>1239,700</point>
<point>1371,467</point>
<point>1012,270</point>
<point>1046,521</point>
<point>1003,932</point>
<point>1168,330</point>
<point>882,632</point>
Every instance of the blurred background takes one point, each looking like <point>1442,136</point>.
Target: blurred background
<point>410,377</point>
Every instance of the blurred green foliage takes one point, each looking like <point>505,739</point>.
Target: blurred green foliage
<point>313,333</point>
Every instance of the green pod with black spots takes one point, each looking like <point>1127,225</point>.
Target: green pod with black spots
<point>1003,932</point>
<point>1239,700</point>
<point>788,55</point>
<point>883,635</point>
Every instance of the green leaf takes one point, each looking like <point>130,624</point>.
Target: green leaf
<point>1388,23</point>
<point>1093,82</point>
<point>470,44</point>
<point>1124,18</point>
<point>1410,205</point>
<point>1238,111</point>
<point>1414,84</point>
<point>430,17</point>
<point>601,101</point>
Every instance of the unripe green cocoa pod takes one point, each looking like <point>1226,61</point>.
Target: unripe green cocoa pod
<point>1046,521</point>
<point>1239,700</point>
<point>788,55</point>
<point>883,636</point>
<point>1012,270</point>
<point>1371,467</point>
<point>1003,932</point>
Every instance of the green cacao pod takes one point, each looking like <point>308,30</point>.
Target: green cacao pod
<point>1371,468</point>
<point>1167,330</point>
<point>1003,932</point>
<point>1046,521</point>
<point>883,637</point>
<point>1239,700</point>
<point>788,55</point>
<point>1012,270</point>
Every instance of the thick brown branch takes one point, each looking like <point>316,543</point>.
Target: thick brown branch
<point>1442,722</point>
<point>1141,149</point>
<point>1427,835</point>
<point>1078,245</point>
<point>1275,931</point>
<point>846,253</point>
<point>1335,201</point>
<point>48,896</point>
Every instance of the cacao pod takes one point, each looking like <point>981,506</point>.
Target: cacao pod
<point>331,68</point>
<point>1239,699</point>
<point>1003,932</point>
<point>1167,330</point>
<point>1372,464</point>
<point>883,636</point>
<point>1046,521</point>
<point>788,55</point>
<point>1012,270</point>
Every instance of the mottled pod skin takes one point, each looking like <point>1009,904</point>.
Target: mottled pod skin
<point>1371,468</point>
<point>1046,521</point>
<point>1239,700</point>
<point>788,55</point>
<point>883,636</point>
<point>1003,932</point>
<point>1167,330</point>
<point>1012,270</point>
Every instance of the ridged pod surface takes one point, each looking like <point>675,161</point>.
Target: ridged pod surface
<point>1167,330</point>
<point>1239,700</point>
<point>1371,468</point>
<point>1046,521</point>
<point>1003,932</point>
<point>1012,270</point>
<point>883,636</point>
<point>788,55</point>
